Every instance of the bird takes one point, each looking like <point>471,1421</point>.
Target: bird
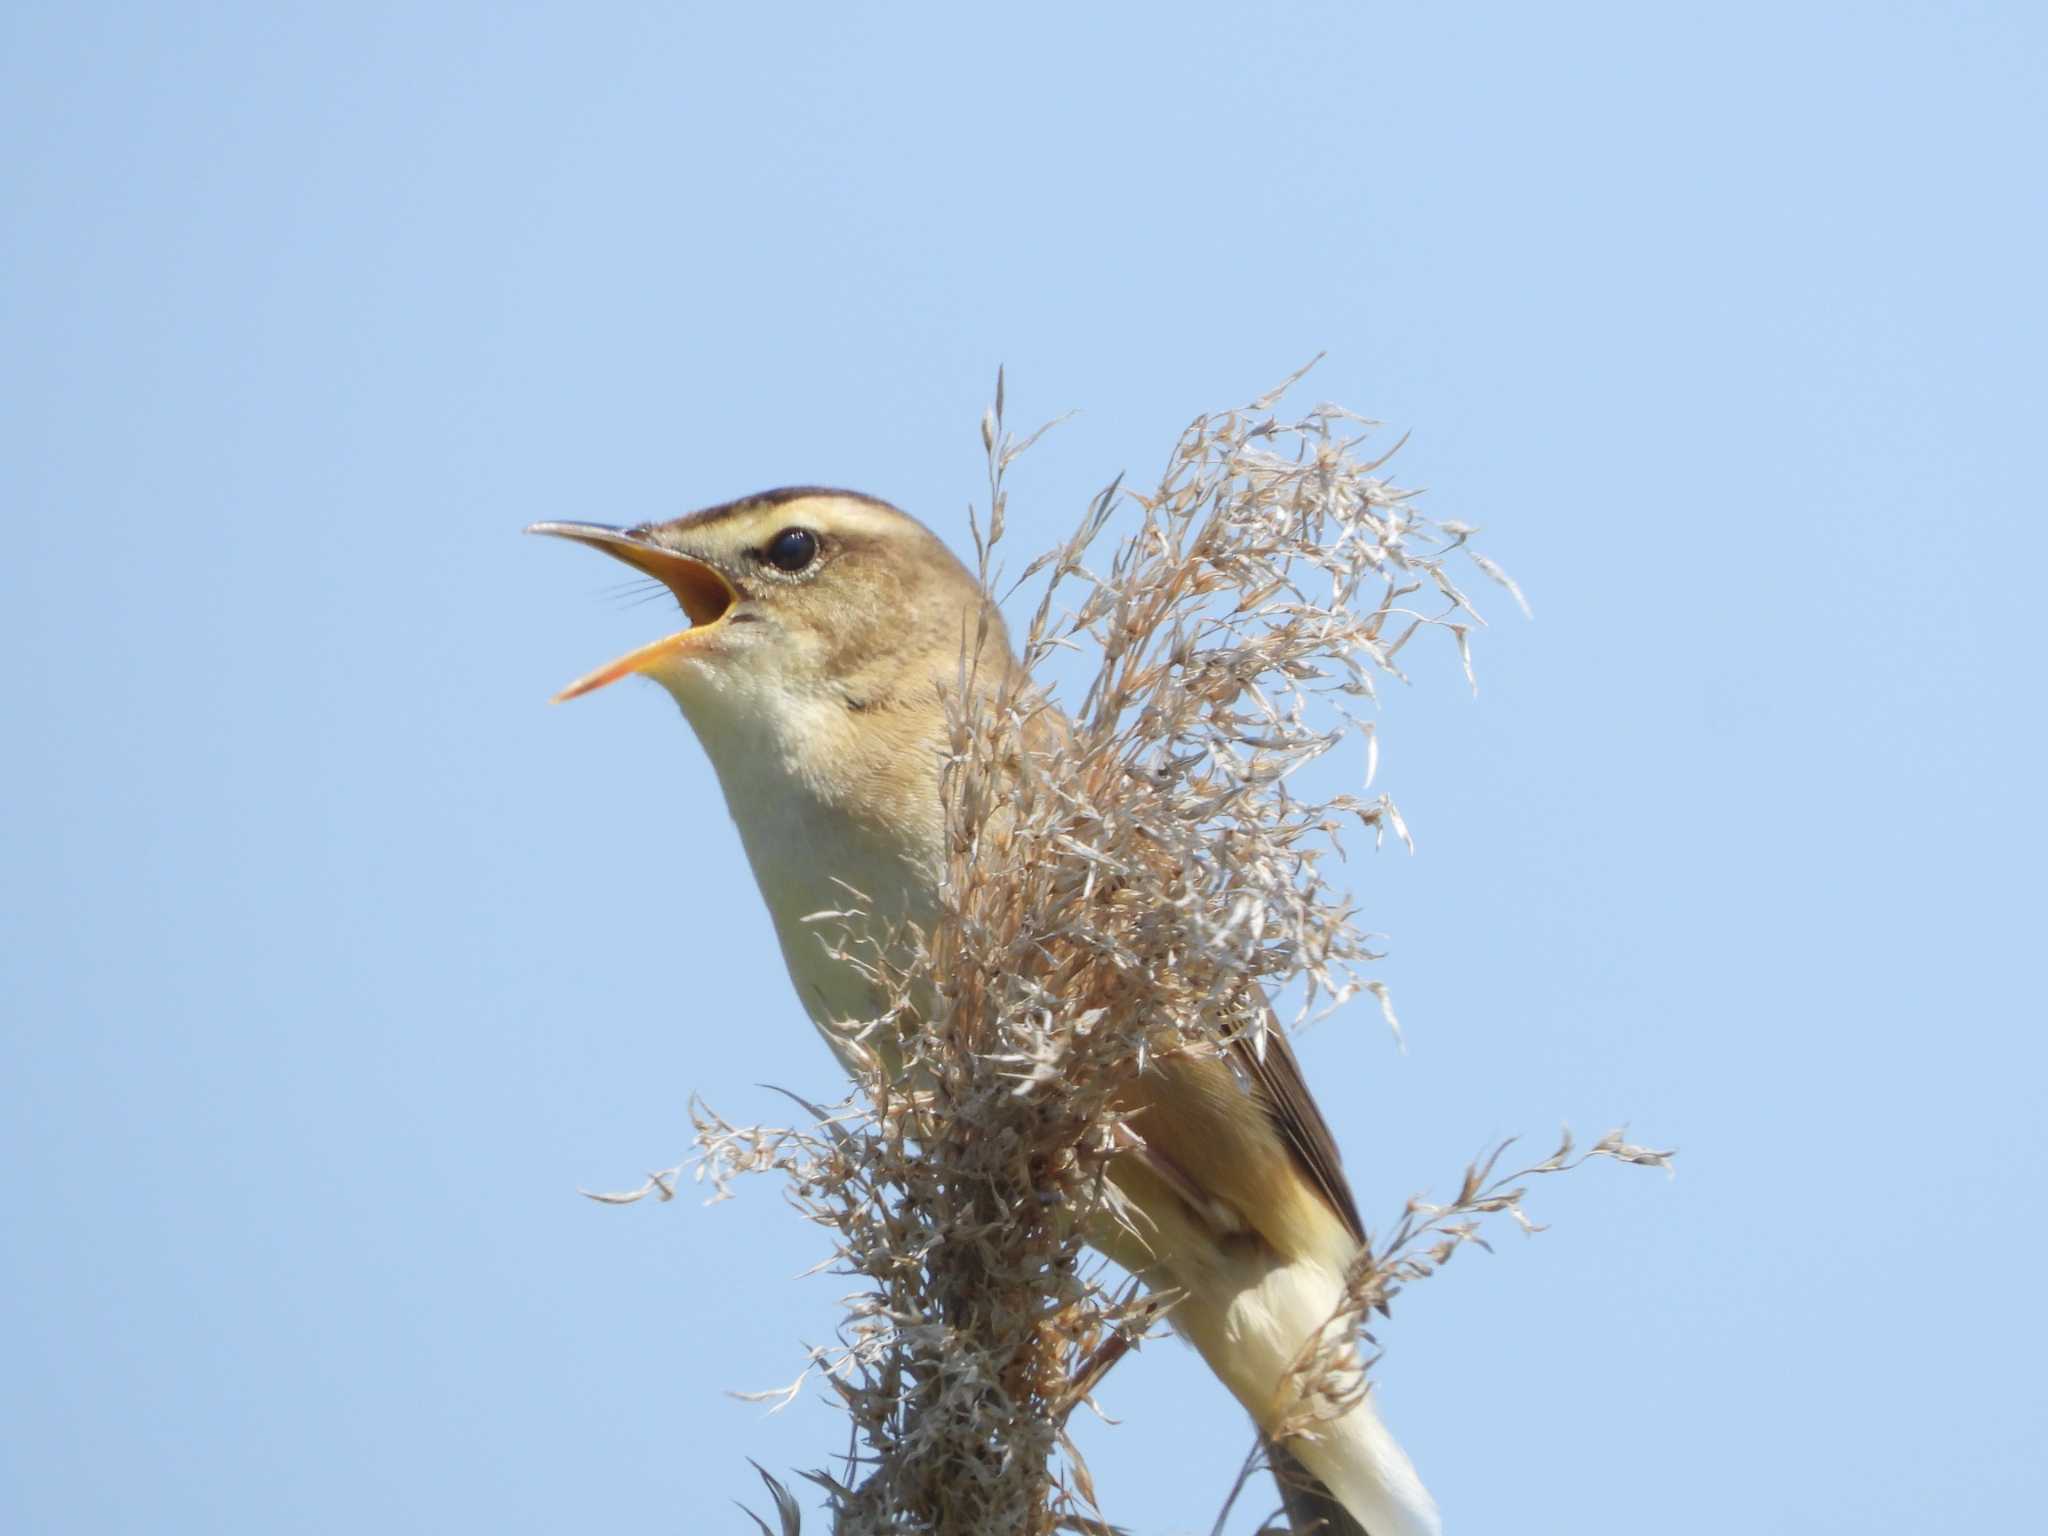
<point>823,626</point>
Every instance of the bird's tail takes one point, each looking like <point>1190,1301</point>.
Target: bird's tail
<point>1251,1331</point>
<point>1311,1509</point>
<point>1364,1470</point>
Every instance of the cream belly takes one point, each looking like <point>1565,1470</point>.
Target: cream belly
<point>810,858</point>
<point>806,866</point>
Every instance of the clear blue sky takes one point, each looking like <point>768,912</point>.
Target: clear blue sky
<point>333,960</point>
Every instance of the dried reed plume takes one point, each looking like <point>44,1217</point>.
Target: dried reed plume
<point>1137,877</point>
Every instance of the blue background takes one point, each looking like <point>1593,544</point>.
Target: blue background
<point>334,960</point>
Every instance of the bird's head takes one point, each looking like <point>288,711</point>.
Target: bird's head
<point>808,596</point>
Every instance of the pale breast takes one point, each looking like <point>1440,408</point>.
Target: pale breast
<point>814,856</point>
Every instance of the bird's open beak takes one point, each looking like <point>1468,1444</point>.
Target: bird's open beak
<point>706,596</point>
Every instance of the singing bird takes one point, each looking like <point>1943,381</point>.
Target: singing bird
<point>823,626</point>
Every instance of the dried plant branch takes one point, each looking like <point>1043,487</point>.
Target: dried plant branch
<point>1129,879</point>
<point>1330,1375</point>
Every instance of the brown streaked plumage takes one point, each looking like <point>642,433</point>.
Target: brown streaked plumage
<point>823,624</point>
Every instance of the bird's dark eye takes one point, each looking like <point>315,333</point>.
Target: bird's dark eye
<point>792,549</point>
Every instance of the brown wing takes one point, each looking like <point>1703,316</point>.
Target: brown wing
<point>1283,1093</point>
<point>1275,1079</point>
